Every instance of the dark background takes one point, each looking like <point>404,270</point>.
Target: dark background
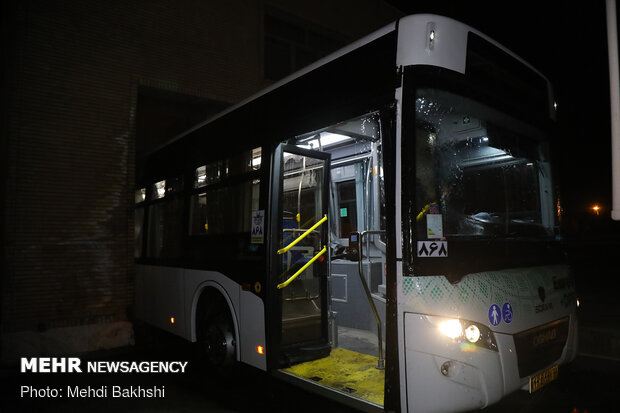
<point>567,42</point>
<point>81,263</point>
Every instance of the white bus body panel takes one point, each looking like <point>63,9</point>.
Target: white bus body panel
<point>448,48</point>
<point>479,376</point>
<point>432,40</point>
<point>165,292</point>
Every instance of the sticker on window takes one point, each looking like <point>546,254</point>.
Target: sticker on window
<point>258,226</point>
<point>432,249</point>
<point>434,226</point>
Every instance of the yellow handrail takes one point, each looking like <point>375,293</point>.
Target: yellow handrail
<point>302,269</point>
<point>426,208</point>
<point>302,236</point>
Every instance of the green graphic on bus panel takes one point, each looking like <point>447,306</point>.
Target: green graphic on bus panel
<point>519,287</point>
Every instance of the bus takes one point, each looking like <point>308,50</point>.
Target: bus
<point>381,227</point>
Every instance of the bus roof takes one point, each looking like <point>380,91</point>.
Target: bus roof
<point>416,30</point>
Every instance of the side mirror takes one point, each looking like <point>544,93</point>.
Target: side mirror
<point>353,253</point>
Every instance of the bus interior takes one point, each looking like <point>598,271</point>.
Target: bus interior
<point>336,172</point>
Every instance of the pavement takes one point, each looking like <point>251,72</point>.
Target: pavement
<point>597,279</point>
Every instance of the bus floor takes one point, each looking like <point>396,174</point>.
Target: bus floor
<point>351,368</point>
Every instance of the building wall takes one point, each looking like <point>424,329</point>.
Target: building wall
<point>70,138</point>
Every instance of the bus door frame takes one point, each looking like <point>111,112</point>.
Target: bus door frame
<point>274,295</point>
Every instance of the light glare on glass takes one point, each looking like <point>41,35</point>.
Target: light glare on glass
<point>451,328</point>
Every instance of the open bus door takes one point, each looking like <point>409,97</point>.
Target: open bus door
<point>300,254</point>
<point>350,367</point>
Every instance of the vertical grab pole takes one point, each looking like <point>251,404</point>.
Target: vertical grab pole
<point>614,97</point>
<point>381,361</point>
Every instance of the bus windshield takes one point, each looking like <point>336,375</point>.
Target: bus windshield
<point>480,173</point>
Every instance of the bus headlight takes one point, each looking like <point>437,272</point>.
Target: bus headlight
<point>468,333</point>
<point>472,333</point>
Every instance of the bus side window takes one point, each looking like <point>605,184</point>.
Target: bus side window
<point>224,210</point>
<point>138,232</point>
<point>198,222</point>
<point>226,203</point>
<point>165,236</point>
<point>164,230</point>
<point>139,198</point>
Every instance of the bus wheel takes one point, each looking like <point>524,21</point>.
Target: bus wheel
<point>218,340</point>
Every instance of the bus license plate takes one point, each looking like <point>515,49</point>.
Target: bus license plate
<point>541,379</point>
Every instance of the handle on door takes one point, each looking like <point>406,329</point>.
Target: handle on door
<point>302,269</point>
<point>302,236</point>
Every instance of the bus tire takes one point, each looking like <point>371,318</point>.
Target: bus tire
<point>216,333</point>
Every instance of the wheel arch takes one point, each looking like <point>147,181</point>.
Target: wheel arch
<point>211,290</point>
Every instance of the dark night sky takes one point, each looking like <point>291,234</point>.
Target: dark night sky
<point>566,41</point>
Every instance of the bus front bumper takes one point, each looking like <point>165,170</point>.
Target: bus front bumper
<point>443,375</point>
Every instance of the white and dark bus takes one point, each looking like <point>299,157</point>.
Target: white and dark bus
<point>380,227</point>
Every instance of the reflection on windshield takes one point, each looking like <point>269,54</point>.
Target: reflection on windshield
<point>479,173</point>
